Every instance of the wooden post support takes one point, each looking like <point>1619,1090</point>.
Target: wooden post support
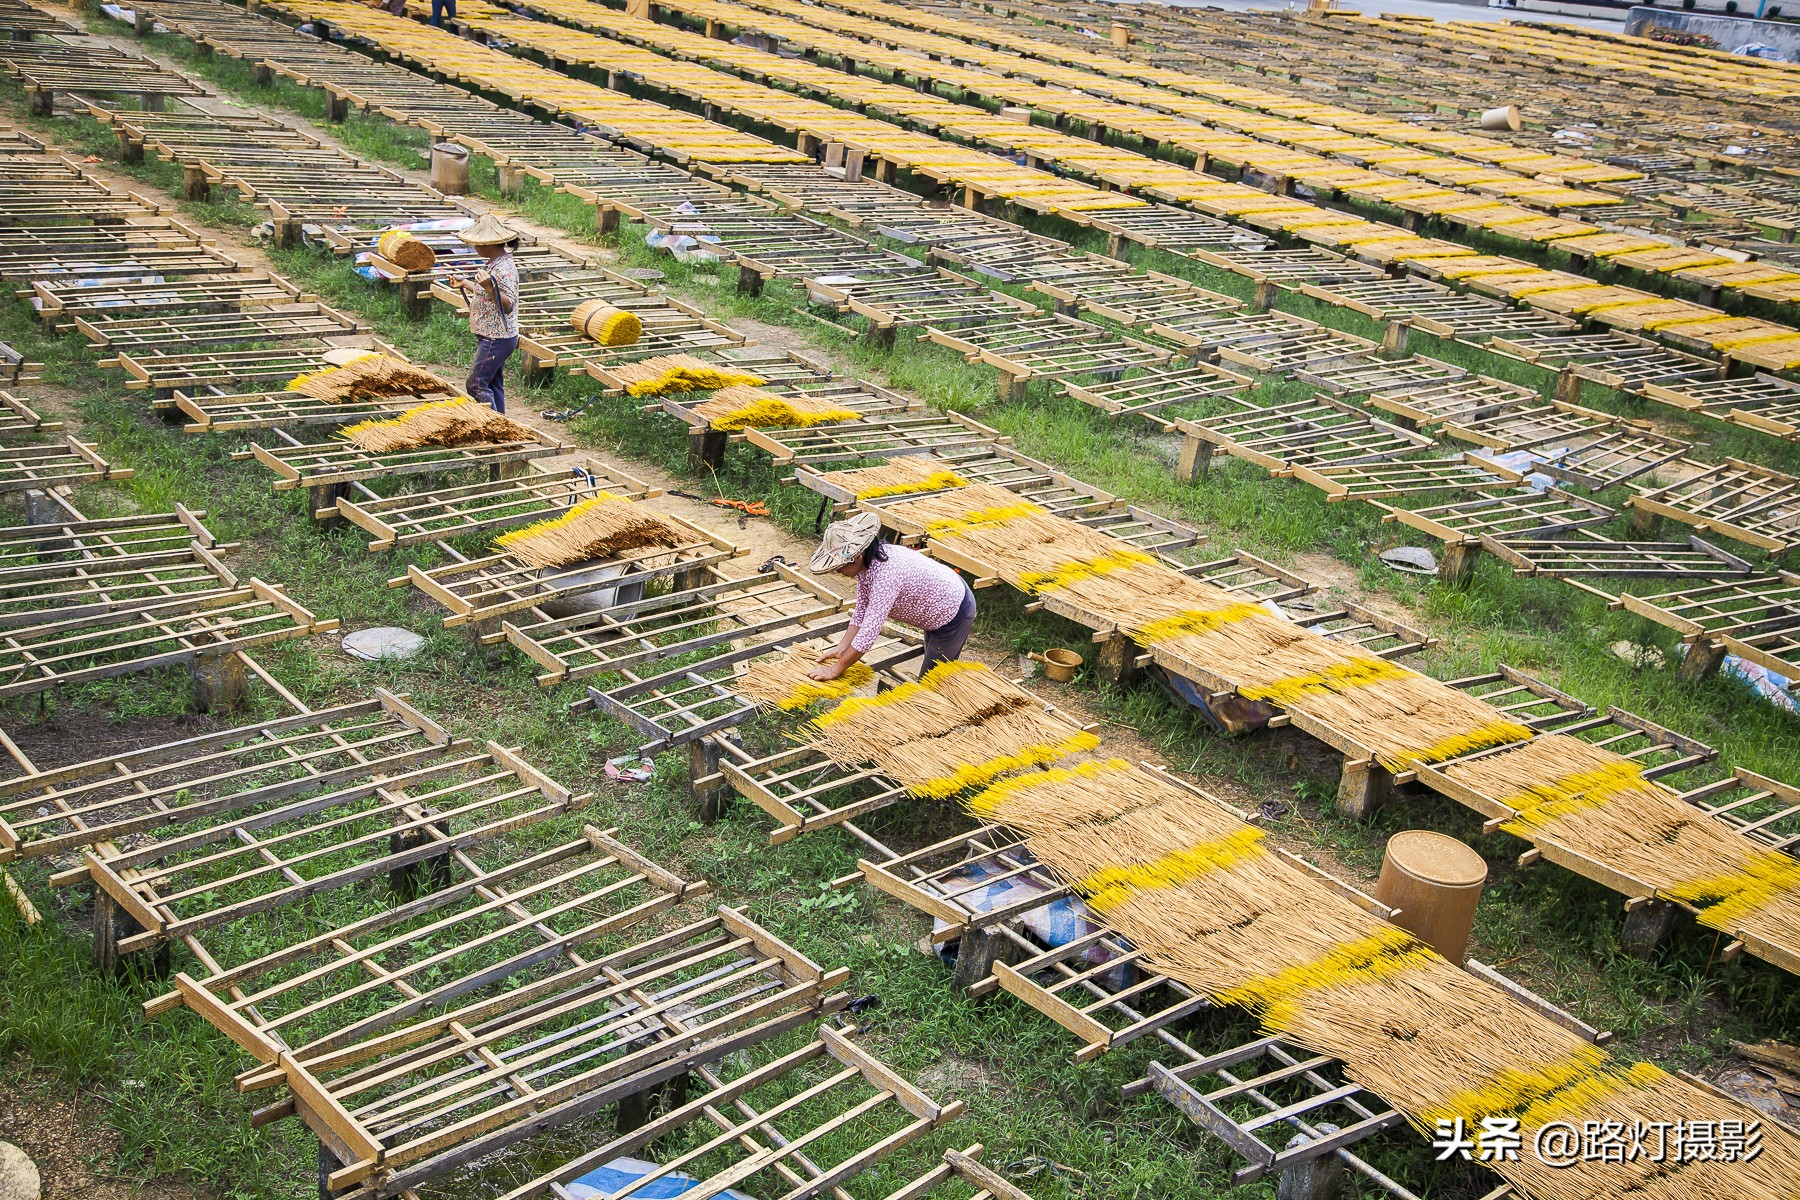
<point>1012,387</point>
<point>1115,661</point>
<point>321,503</point>
<point>1395,336</point>
<point>705,784</point>
<point>854,161</point>
<point>879,337</point>
<point>1266,296</point>
<point>1702,659</point>
<point>476,635</point>
<point>41,508</point>
<point>606,218</point>
<point>1647,926</point>
<point>415,298</point>
<point>419,878</point>
<point>219,683</point>
<point>131,151</point>
<point>337,108</point>
<point>750,280</point>
<point>1115,244</point>
<point>1320,1177</point>
<point>1196,457</point>
<point>328,1165</point>
<point>284,234</point>
<point>978,950</point>
<point>1568,386</point>
<point>512,181</point>
<point>1644,522</point>
<point>640,1108</point>
<point>194,185</point>
<point>40,102</point>
<point>1457,562</point>
<point>534,370</point>
<point>262,73</point>
<point>112,924</point>
<point>706,448</point>
<point>1362,788</point>
<point>142,22</point>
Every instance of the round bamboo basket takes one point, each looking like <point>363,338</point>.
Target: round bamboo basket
<point>1435,882</point>
<point>405,251</point>
<point>605,324</point>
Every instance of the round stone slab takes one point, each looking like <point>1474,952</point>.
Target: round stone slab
<point>383,641</point>
<point>18,1177</point>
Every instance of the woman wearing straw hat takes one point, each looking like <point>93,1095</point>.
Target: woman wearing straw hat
<point>892,582</point>
<point>493,296</point>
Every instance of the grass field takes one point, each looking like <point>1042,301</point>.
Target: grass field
<point>166,1084</point>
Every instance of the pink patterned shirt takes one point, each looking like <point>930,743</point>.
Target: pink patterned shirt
<point>485,318</point>
<point>909,587</point>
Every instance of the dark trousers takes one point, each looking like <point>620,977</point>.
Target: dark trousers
<point>946,642</point>
<point>441,9</point>
<point>487,378</point>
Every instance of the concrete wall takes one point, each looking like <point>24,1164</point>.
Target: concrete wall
<point>1728,32</point>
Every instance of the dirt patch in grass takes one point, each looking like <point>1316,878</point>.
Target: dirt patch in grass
<point>70,735</point>
<point>66,1135</point>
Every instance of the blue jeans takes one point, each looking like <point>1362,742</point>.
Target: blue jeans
<point>487,378</point>
<point>441,8</point>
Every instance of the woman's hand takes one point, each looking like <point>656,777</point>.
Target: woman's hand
<point>828,655</point>
<point>825,672</point>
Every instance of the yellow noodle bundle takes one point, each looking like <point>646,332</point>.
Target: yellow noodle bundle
<point>900,477</point>
<point>459,422</point>
<point>605,526</point>
<point>785,682</point>
<point>735,408</point>
<point>605,324</point>
<point>669,373</point>
<point>405,251</point>
<point>371,377</point>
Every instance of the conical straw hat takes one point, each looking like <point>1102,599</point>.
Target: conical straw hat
<point>488,230</point>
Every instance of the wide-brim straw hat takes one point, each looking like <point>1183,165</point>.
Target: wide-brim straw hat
<point>488,230</point>
<point>844,541</point>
